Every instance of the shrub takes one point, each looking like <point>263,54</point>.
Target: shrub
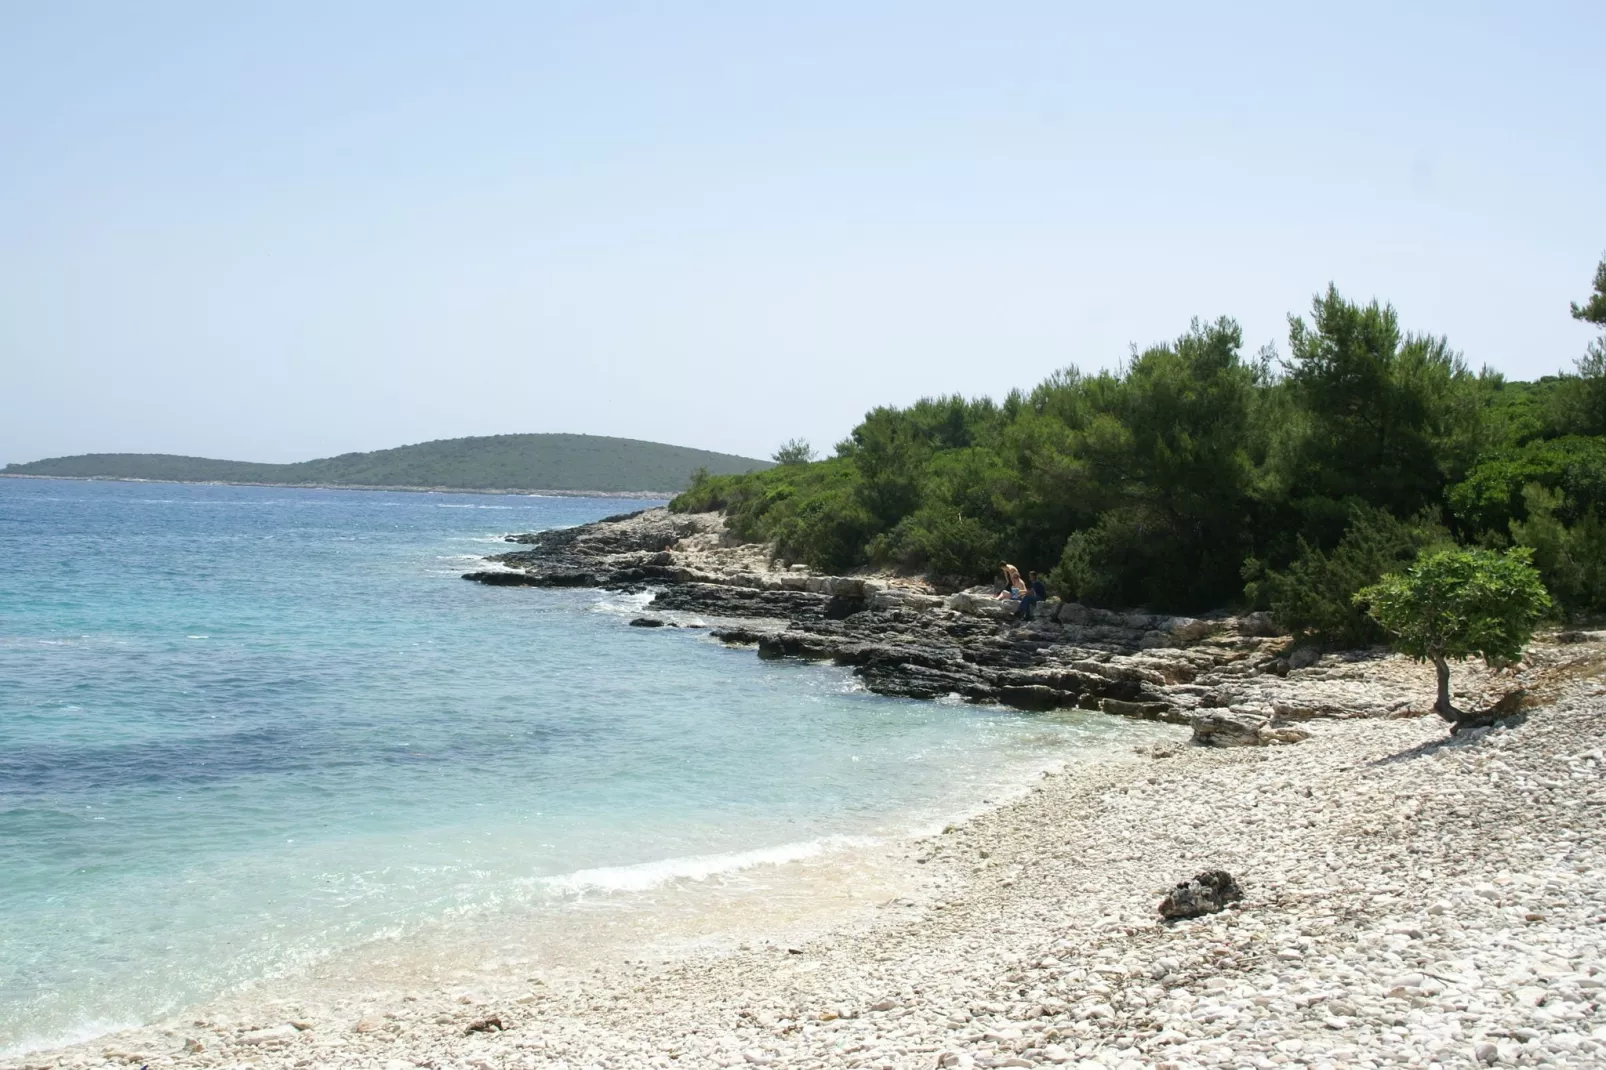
<point>1571,559</point>
<point>943,542</point>
<point>826,529</point>
<point>810,512</point>
<point>794,451</point>
<point>1314,598</point>
<point>959,530</point>
<point>1493,494</point>
<point>1142,556</point>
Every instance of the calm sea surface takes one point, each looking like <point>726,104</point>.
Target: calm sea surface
<point>243,729</point>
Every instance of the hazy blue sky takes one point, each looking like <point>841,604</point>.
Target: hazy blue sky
<point>283,230</point>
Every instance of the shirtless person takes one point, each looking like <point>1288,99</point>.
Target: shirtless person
<point>1014,586</point>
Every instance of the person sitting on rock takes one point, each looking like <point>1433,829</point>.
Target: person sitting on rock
<point>1014,586</point>
<point>1037,593</point>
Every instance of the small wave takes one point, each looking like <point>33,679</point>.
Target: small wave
<point>88,1030</point>
<point>622,604</point>
<point>643,876</point>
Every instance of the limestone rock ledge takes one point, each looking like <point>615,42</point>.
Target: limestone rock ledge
<point>1231,678</point>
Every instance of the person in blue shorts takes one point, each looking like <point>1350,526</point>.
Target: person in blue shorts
<point>1036,592</point>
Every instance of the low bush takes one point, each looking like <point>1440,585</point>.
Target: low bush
<point>1571,559</point>
<point>1314,597</point>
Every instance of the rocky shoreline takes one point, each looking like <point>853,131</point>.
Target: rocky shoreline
<point>1235,679</point>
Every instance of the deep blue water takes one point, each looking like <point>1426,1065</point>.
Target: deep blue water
<point>242,728</point>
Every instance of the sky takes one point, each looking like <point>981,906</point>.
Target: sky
<point>279,231</point>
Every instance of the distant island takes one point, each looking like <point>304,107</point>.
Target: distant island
<point>567,464</point>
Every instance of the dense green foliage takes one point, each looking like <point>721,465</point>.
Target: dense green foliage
<point>1456,604</point>
<point>1198,477</point>
<point>1315,596</point>
<point>496,462</point>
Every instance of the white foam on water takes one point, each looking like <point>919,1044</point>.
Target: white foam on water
<point>622,604</point>
<point>88,1030</point>
<point>643,876</point>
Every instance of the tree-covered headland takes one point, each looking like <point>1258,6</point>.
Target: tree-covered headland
<point>553,462</point>
<point>1198,476</point>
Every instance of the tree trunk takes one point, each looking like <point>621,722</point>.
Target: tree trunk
<point>1444,707</point>
<point>1510,705</point>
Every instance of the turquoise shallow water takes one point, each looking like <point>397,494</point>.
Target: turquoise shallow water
<point>244,728</point>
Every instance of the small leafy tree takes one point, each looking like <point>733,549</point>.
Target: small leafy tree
<point>795,451</point>
<point>1456,604</point>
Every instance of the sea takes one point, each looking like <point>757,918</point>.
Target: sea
<point>246,732</point>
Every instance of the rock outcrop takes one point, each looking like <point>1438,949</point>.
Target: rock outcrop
<point>1239,727</point>
<point>1232,678</point>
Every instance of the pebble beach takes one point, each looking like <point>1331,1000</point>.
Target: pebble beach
<point>1410,899</point>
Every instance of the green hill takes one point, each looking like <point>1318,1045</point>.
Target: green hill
<point>494,462</point>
